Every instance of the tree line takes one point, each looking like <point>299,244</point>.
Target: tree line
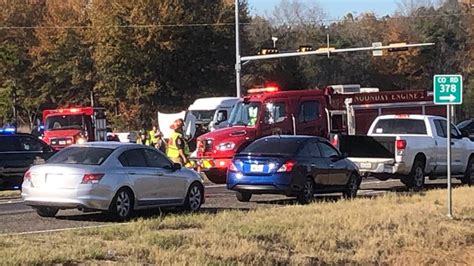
<point>137,57</point>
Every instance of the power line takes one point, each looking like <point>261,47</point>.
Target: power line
<point>145,26</point>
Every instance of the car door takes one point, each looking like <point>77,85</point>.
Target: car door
<point>458,149</point>
<point>172,185</point>
<point>144,178</point>
<point>319,167</point>
<point>12,165</point>
<point>337,168</point>
<point>309,121</point>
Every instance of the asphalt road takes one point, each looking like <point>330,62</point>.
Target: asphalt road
<point>15,217</point>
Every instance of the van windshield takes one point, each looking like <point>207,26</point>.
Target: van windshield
<point>244,114</point>
<point>65,122</point>
<point>203,115</point>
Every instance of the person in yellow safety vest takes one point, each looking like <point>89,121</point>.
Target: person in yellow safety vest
<point>152,136</point>
<point>178,150</point>
<point>253,112</point>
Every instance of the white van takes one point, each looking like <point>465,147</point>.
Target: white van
<point>212,113</point>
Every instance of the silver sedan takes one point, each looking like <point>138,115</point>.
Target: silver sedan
<point>110,176</point>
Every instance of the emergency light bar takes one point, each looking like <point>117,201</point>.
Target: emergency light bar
<point>7,131</point>
<point>265,89</point>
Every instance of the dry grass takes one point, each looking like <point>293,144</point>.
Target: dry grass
<point>10,194</point>
<point>393,229</point>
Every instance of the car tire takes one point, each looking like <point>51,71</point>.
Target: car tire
<point>468,177</point>
<point>307,194</point>
<point>194,197</point>
<point>47,211</point>
<point>121,207</point>
<point>352,186</point>
<point>415,181</point>
<point>243,196</point>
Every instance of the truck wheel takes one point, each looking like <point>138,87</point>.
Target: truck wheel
<point>352,186</point>
<point>468,177</point>
<point>416,179</point>
<point>47,211</point>
<point>243,196</point>
<point>307,194</point>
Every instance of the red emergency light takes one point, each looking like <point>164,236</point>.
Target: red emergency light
<point>264,89</point>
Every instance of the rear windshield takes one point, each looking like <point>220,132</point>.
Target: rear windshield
<point>81,155</point>
<point>400,126</point>
<point>273,146</point>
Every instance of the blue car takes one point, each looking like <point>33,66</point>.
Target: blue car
<point>294,166</point>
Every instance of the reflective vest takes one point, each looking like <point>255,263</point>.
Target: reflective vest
<point>152,138</point>
<point>172,150</point>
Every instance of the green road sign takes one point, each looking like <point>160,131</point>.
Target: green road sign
<point>447,89</point>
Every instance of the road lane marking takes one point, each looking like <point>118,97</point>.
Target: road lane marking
<point>11,202</point>
<point>62,229</point>
<point>16,212</point>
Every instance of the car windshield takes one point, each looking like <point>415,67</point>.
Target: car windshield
<point>203,115</point>
<point>64,121</point>
<point>273,146</point>
<point>400,126</point>
<point>81,155</point>
<point>244,114</point>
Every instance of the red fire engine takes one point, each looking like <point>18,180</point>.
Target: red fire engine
<point>267,111</point>
<point>63,127</point>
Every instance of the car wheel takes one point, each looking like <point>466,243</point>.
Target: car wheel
<point>307,194</point>
<point>47,211</point>
<point>351,188</point>
<point>468,177</point>
<point>243,196</point>
<point>122,205</point>
<point>194,198</point>
<point>416,180</point>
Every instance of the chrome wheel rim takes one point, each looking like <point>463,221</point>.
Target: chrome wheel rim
<point>123,204</point>
<point>195,198</point>
<point>419,176</point>
<point>308,190</point>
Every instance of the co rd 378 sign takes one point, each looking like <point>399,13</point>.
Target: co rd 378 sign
<point>447,89</point>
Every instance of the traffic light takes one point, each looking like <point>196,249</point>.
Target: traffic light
<point>265,51</point>
<point>396,47</point>
<point>305,48</point>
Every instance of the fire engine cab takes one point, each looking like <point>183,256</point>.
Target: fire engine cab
<point>266,111</point>
<point>63,127</point>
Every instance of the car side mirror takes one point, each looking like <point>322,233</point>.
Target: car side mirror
<point>335,158</point>
<point>176,166</point>
<point>345,155</point>
<point>464,133</point>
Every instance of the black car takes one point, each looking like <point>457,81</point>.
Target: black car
<point>468,126</point>
<point>294,166</point>
<point>17,153</point>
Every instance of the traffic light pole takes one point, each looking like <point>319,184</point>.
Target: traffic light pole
<point>238,62</point>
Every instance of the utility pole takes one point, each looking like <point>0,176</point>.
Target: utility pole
<point>238,65</point>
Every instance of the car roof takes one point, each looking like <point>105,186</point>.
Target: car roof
<point>295,137</point>
<point>107,144</point>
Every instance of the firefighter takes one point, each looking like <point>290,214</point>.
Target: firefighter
<point>152,136</point>
<point>177,149</point>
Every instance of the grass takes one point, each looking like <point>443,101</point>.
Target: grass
<point>10,194</point>
<point>391,229</point>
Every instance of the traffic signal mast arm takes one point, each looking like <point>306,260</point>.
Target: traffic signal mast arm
<point>326,51</point>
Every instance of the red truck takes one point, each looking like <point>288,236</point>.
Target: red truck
<point>66,126</point>
<point>267,111</point>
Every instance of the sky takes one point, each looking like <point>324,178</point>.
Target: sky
<point>334,8</point>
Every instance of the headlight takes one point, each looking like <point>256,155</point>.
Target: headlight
<point>81,140</point>
<point>227,146</point>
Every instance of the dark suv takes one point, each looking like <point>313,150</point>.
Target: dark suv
<point>17,153</point>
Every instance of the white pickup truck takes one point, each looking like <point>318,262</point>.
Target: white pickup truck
<point>410,147</point>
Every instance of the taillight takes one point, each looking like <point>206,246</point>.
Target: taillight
<point>335,141</point>
<point>287,167</point>
<point>92,178</point>
<point>401,144</point>
<point>233,168</point>
<point>27,176</point>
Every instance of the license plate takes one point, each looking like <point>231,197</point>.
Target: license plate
<point>62,142</point>
<point>256,168</point>
<point>366,165</point>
